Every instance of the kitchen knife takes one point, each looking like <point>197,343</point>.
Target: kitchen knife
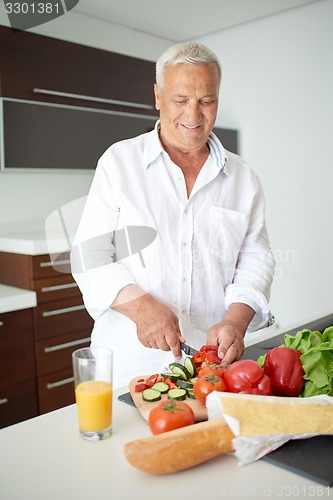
<point>189,351</point>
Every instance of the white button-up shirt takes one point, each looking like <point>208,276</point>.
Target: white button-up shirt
<point>196,254</point>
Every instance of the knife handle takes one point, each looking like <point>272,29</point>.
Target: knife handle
<point>180,449</point>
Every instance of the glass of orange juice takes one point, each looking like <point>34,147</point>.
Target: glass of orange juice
<point>92,368</point>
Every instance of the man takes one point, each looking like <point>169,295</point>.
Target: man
<point>205,272</point>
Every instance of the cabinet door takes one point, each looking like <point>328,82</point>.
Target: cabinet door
<point>29,61</point>
<point>60,287</point>
<point>55,390</point>
<point>64,137</point>
<point>55,353</point>
<point>60,317</point>
<point>16,347</point>
<point>42,267</point>
<point>18,402</point>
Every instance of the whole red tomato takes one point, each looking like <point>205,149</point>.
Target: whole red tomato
<point>212,370</point>
<point>207,384</point>
<point>247,377</point>
<point>170,414</point>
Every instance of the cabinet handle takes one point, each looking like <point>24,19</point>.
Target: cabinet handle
<point>93,98</point>
<point>58,287</point>
<point>1,323</point>
<point>47,314</point>
<point>65,345</point>
<point>50,264</point>
<point>3,401</point>
<point>54,385</point>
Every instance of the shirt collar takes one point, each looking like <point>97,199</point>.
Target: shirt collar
<point>154,148</point>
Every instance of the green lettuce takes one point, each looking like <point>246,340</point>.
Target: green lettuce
<point>316,358</point>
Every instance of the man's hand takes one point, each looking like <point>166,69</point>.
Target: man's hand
<point>229,333</point>
<point>157,326</point>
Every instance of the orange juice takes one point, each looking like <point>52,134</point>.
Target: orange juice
<point>94,403</point>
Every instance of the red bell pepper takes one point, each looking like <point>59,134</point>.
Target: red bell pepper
<point>206,356</point>
<point>247,377</point>
<point>284,368</point>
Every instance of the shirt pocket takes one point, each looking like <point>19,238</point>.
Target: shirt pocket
<point>227,230</point>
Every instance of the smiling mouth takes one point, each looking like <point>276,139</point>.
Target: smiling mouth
<point>190,127</point>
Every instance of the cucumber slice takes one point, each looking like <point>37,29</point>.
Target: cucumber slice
<point>184,384</point>
<point>178,394</point>
<point>179,370</point>
<point>190,366</point>
<point>170,376</point>
<point>162,387</point>
<point>151,395</point>
<point>193,380</point>
<point>190,394</point>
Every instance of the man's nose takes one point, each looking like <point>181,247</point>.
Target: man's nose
<point>194,113</point>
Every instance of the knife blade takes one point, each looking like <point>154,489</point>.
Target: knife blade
<point>188,350</point>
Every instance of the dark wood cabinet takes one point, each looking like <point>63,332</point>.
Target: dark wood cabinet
<point>18,390</point>
<point>29,61</point>
<point>59,325</point>
<point>18,402</point>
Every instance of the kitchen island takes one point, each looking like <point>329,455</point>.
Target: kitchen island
<point>45,458</point>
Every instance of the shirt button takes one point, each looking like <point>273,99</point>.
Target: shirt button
<point>186,211</point>
<point>185,244</point>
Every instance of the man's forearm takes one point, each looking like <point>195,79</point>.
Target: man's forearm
<point>239,316</point>
<point>129,301</point>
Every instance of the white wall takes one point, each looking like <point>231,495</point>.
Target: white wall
<point>277,90</point>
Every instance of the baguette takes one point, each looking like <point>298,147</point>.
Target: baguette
<point>180,449</point>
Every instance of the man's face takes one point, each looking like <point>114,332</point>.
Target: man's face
<point>188,105</point>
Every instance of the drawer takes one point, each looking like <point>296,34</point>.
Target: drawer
<point>56,288</point>
<point>60,317</point>
<point>56,390</point>
<point>42,266</point>
<point>18,402</point>
<point>17,353</point>
<point>55,353</point>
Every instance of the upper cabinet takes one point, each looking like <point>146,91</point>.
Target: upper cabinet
<point>63,104</point>
<point>36,67</point>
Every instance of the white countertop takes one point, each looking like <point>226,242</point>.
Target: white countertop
<point>28,243</point>
<point>46,458</point>
<point>14,299</point>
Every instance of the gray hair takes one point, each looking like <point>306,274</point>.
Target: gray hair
<point>186,52</point>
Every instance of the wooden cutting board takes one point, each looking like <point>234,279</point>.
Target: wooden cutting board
<point>144,407</point>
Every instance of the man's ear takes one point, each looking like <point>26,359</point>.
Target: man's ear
<point>157,97</point>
